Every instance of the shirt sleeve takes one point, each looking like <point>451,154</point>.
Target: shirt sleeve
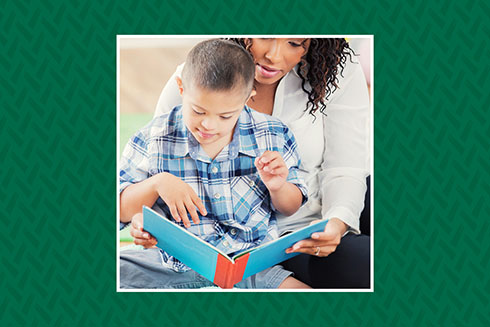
<point>346,160</point>
<point>134,162</point>
<point>170,96</point>
<point>291,158</point>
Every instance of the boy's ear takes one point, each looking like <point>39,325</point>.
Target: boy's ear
<point>179,83</point>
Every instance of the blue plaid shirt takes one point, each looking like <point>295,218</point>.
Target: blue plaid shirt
<point>240,212</point>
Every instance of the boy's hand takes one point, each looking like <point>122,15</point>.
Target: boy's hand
<point>140,236</point>
<point>180,198</point>
<point>272,170</point>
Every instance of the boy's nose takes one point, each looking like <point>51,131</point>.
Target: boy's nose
<point>208,124</point>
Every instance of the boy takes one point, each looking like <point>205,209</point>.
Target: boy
<point>218,155</point>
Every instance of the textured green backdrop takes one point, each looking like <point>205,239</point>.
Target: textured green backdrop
<point>58,163</point>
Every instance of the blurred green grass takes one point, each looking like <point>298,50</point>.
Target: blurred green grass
<point>128,125</point>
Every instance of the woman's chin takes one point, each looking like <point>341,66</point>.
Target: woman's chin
<point>267,81</point>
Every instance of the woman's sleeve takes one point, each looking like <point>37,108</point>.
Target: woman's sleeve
<point>346,162</point>
<point>170,96</point>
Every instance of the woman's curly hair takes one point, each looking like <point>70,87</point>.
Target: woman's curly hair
<point>318,68</point>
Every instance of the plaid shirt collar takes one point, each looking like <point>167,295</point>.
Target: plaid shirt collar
<point>242,135</point>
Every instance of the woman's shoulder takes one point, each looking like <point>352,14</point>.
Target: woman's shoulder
<point>170,96</point>
<point>163,125</point>
<point>262,121</point>
<point>269,133</point>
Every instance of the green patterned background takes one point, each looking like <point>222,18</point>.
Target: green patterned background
<point>58,164</point>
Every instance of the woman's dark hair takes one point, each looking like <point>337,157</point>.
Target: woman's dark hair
<point>318,68</point>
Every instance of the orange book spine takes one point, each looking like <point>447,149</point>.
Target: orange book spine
<point>227,273</point>
<point>224,269</point>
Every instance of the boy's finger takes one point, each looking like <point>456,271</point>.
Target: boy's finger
<point>174,213</point>
<point>258,164</point>
<point>279,171</point>
<point>137,221</point>
<point>136,225</point>
<point>265,157</point>
<point>268,156</point>
<point>141,241</point>
<point>135,233</point>
<point>139,233</point>
<point>192,211</point>
<point>275,165</point>
<point>198,203</point>
<point>183,215</point>
<point>145,244</point>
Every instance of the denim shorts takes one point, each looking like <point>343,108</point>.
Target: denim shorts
<point>144,268</point>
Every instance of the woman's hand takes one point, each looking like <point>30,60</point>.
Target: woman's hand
<point>140,236</point>
<point>180,199</point>
<point>322,244</point>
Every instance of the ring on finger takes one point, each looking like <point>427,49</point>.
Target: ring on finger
<point>317,252</point>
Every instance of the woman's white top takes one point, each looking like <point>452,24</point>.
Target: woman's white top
<point>334,149</point>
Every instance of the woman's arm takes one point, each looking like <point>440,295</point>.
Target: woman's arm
<point>346,161</point>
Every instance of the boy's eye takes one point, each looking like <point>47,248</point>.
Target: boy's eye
<point>226,117</point>
<point>198,112</point>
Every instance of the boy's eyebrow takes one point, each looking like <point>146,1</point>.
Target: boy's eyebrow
<point>229,112</point>
<point>221,113</point>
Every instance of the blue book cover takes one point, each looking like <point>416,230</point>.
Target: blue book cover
<point>214,264</point>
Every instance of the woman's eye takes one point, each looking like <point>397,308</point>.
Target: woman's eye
<point>294,44</point>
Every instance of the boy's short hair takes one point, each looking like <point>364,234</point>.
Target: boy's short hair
<point>219,65</point>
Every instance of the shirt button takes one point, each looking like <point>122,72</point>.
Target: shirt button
<point>251,183</point>
<point>217,196</point>
<point>225,243</point>
<point>233,231</point>
<point>214,169</point>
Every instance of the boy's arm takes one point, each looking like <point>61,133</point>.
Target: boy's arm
<point>135,196</point>
<point>138,188</point>
<point>178,195</point>
<point>286,197</point>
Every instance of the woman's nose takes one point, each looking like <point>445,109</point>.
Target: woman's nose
<point>274,51</point>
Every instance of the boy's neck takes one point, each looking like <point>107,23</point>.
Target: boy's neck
<point>213,149</point>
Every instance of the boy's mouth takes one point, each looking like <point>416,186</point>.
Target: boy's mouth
<point>205,135</point>
<point>267,71</point>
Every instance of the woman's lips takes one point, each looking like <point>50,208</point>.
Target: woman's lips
<point>267,71</point>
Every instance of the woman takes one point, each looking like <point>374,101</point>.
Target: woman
<point>314,87</point>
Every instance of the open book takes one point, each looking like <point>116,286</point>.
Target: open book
<point>214,264</point>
